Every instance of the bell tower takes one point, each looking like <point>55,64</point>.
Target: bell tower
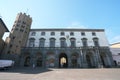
<point>18,35</point>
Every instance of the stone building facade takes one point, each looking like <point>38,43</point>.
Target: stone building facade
<point>56,48</point>
<point>67,48</point>
<point>3,29</point>
<point>18,37</point>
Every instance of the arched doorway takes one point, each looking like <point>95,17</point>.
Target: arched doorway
<point>63,60</point>
<point>74,58</point>
<point>88,58</point>
<point>39,62</point>
<point>50,60</point>
<point>27,61</point>
<point>39,59</point>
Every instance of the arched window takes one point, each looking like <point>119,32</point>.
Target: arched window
<point>84,42</point>
<point>95,40</point>
<point>73,42</point>
<point>41,42</point>
<point>31,42</point>
<point>52,42</point>
<point>63,42</point>
<point>33,33</point>
<point>27,61</point>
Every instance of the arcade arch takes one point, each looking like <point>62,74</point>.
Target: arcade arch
<point>63,60</point>
<point>74,60</point>
<point>50,59</point>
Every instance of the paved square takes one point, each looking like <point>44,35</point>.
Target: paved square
<point>60,74</point>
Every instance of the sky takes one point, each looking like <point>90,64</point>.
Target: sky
<point>90,14</point>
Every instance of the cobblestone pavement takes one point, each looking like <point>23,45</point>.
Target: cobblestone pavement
<point>60,74</point>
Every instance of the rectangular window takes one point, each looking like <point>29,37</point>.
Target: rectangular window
<point>84,43</point>
<point>33,33</point>
<point>63,44</point>
<point>52,33</point>
<point>23,26</point>
<point>41,43</point>
<point>62,33</point>
<point>52,43</point>
<point>42,33</point>
<point>10,45</point>
<point>16,29</point>
<point>13,37</point>
<point>17,25</point>
<point>96,43</point>
<point>71,33</point>
<point>73,44</point>
<point>83,33</point>
<point>31,44</point>
<point>24,22</point>
<point>93,34</point>
<point>21,30</point>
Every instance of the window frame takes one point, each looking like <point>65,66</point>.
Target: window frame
<point>43,33</point>
<point>52,33</point>
<point>82,33</point>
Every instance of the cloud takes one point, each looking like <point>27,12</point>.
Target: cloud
<point>76,25</point>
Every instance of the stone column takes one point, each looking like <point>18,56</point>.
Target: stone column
<point>108,60</point>
<point>56,59</point>
<point>84,58</point>
<point>44,55</point>
<point>100,64</point>
<point>69,62</point>
<point>96,56</point>
<point>78,62</point>
<point>80,59</point>
<point>22,60</point>
<point>69,59</point>
<point>32,58</point>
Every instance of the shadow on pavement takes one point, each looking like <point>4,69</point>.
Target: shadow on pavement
<point>26,70</point>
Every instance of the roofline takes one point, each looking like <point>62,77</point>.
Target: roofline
<point>115,43</point>
<point>65,29</point>
<point>4,25</point>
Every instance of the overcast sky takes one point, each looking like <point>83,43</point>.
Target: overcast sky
<point>91,14</point>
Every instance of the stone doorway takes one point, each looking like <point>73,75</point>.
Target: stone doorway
<point>63,60</point>
<point>27,61</point>
<point>39,62</point>
<point>88,61</point>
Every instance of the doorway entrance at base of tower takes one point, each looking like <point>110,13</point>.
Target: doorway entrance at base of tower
<point>63,60</point>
